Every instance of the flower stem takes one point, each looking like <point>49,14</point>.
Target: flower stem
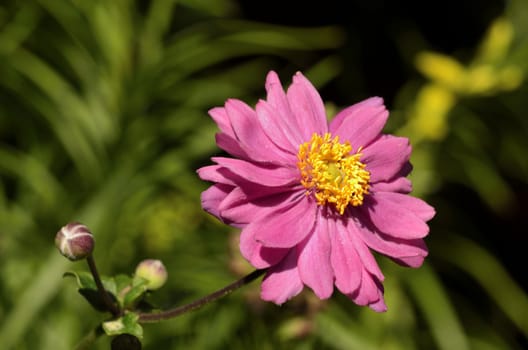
<point>171,313</point>
<point>110,305</point>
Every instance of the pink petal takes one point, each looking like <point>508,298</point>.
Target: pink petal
<point>307,106</point>
<point>250,134</point>
<point>230,145</point>
<point>407,252</point>
<point>241,208</point>
<point>393,219</point>
<point>221,119</point>
<point>369,291</point>
<point>410,261</point>
<point>314,261</point>
<point>284,116</point>
<point>361,123</point>
<point>368,261</point>
<point>419,207</point>
<point>280,129</point>
<point>259,256</point>
<point>213,196</point>
<point>350,112</point>
<point>273,176</point>
<point>235,209</point>
<point>214,173</point>
<point>276,95</point>
<point>399,184</point>
<point>282,281</point>
<point>385,157</point>
<point>379,306</point>
<point>346,263</point>
<point>287,226</point>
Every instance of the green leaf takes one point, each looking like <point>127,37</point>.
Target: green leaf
<point>84,279</point>
<point>128,324</point>
<point>88,288</point>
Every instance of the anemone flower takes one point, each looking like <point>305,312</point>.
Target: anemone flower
<point>313,198</point>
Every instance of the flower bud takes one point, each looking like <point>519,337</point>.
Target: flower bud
<point>153,271</point>
<point>75,241</point>
<point>125,342</point>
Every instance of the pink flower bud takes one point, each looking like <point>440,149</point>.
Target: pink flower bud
<point>153,271</point>
<point>75,241</point>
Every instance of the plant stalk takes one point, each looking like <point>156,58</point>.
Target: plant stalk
<point>110,305</point>
<point>151,317</point>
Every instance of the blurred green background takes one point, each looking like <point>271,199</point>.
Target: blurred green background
<point>103,119</point>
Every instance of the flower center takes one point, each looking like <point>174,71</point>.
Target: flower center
<point>331,173</point>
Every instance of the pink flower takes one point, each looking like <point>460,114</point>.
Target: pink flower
<point>314,198</point>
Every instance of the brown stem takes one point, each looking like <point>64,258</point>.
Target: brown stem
<point>110,305</point>
<point>171,313</point>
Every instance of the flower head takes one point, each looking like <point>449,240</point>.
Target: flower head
<point>313,198</point>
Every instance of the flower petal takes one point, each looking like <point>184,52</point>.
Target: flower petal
<point>282,281</point>
<point>240,207</point>
<point>221,119</point>
<point>277,127</point>
<point>345,261</point>
<point>314,261</point>
<point>259,256</point>
<point>273,176</point>
<point>406,252</point>
<point>410,261</point>
<point>287,226</point>
<point>419,207</point>
<point>393,219</point>
<point>399,184</point>
<point>370,291</point>
<point>352,111</point>
<point>385,157</point>
<point>250,134</point>
<point>307,106</point>
<point>230,145</point>
<point>360,123</point>
<point>367,259</point>
<point>215,173</point>
<point>284,117</point>
<point>213,196</point>
<point>379,306</point>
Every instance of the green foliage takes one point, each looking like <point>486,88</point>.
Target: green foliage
<point>103,120</point>
<point>126,290</point>
<point>127,324</point>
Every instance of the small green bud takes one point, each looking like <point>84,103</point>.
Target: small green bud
<point>153,271</point>
<point>75,241</point>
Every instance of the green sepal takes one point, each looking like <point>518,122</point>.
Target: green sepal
<point>136,292</point>
<point>88,288</point>
<point>129,290</point>
<point>127,324</point>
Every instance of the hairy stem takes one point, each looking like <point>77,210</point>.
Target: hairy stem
<point>110,305</point>
<point>171,313</point>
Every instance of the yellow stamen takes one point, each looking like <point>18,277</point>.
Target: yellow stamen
<point>331,173</point>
